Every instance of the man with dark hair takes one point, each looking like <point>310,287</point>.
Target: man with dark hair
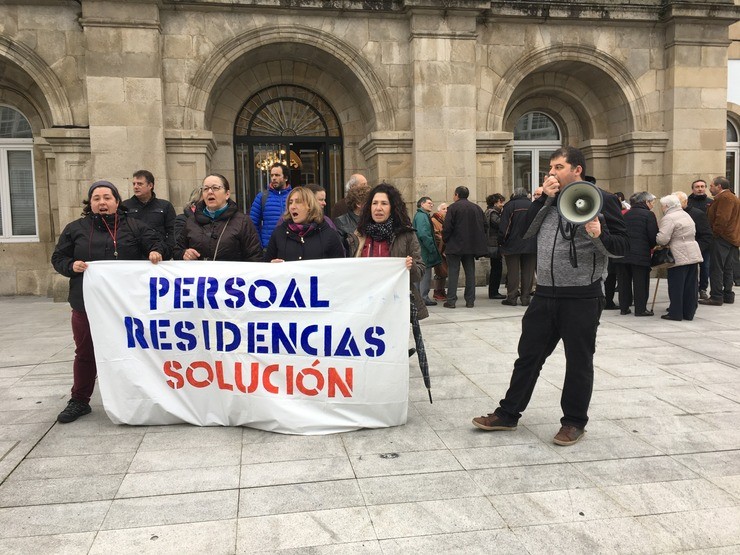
<point>429,253</point>
<point>724,217</point>
<point>159,214</point>
<point>699,200</point>
<point>464,234</point>
<point>568,301</point>
<point>269,205</point>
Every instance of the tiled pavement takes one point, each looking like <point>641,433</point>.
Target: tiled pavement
<point>658,471</point>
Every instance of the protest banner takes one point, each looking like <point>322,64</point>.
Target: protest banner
<point>309,347</point>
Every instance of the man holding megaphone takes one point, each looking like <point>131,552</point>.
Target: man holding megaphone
<point>578,227</point>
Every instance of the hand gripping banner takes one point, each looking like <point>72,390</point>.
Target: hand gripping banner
<point>309,347</point>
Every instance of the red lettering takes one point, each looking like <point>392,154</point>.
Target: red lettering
<point>266,383</point>
<point>220,376</point>
<point>171,368</point>
<point>199,365</point>
<point>316,375</point>
<point>335,381</point>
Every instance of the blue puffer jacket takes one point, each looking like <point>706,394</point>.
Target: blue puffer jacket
<point>274,209</point>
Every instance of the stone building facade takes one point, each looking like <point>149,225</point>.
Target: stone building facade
<point>426,94</point>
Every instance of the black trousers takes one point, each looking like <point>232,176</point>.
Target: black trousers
<point>683,290</point>
<point>494,278</point>
<point>545,323</point>
<point>634,285</point>
<point>724,256</point>
<point>610,283</point>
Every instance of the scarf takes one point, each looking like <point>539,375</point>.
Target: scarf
<point>302,229</point>
<point>382,231</point>
<point>215,214</point>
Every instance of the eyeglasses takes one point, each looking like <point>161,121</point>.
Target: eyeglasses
<point>209,188</point>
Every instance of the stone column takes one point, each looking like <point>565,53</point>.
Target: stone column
<point>695,96</point>
<point>442,52</point>
<point>188,159</point>
<point>388,156</point>
<point>124,91</point>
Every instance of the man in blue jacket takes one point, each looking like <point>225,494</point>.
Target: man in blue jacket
<point>567,305</point>
<point>266,212</point>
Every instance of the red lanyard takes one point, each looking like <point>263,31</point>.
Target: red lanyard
<point>113,234</point>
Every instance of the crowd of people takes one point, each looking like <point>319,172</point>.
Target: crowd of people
<point>554,268</point>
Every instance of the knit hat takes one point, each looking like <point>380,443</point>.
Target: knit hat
<point>103,183</point>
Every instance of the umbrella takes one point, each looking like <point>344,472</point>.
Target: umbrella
<point>655,294</point>
<point>420,350</point>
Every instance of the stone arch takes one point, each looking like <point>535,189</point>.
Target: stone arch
<point>577,65</point>
<point>57,103</point>
<point>211,71</point>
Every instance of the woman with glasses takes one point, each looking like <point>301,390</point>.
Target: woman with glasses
<point>218,230</point>
<point>303,233</point>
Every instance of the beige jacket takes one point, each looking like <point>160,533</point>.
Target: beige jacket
<point>677,230</point>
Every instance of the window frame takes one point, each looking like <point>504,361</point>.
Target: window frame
<point>733,148</point>
<point>534,148</point>
<point>7,145</point>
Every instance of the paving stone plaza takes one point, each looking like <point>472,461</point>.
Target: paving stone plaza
<point>657,472</point>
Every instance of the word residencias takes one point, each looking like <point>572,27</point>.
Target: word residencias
<point>234,292</point>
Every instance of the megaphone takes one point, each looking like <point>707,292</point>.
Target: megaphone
<point>580,202</point>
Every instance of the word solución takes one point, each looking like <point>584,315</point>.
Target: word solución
<point>253,337</point>
<point>271,378</point>
<point>234,292</point>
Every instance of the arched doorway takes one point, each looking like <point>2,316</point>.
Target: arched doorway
<point>289,124</point>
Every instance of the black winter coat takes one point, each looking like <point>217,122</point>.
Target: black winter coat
<point>232,232</point>
<point>701,202</point>
<point>513,226</point>
<point>642,228</point>
<point>321,242</point>
<point>703,234</point>
<point>464,229</point>
<point>159,214</point>
<point>88,239</point>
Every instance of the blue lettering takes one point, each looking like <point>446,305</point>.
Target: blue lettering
<point>158,287</point>
<point>181,292</point>
<point>135,333</point>
<point>347,345</point>
<point>182,331</point>
<point>305,336</point>
<point>236,337</point>
<point>271,290</point>
<point>315,301</point>
<point>280,338</point>
<point>209,292</point>
<point>376,345</point>
<point>292,297</point>
<point>232,288</point>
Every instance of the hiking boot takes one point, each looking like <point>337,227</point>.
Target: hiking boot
<point>73,411</point>
<point>568,435</point>
<point>491,423</point>
<point>703,294</point>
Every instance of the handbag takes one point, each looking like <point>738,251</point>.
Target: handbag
<point>662,258</point>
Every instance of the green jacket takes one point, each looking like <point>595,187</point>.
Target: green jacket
<point>425,233</point>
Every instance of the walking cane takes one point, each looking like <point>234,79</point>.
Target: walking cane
<point>655,294</point>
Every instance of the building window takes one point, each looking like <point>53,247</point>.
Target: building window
<point>536,137</point>
<point>292,125</point>
<point>17,184</point>
<point>732,170</point>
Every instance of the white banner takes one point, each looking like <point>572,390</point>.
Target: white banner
<point>309,347</point>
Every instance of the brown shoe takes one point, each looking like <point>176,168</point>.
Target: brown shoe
<point>711,302</point>
<point>568,435</point>
<point>492,423</point>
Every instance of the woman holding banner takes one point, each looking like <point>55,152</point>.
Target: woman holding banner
<point>304,233</point>
<point>218,230</point>
<point>384,229</point>
<point>103,233</point>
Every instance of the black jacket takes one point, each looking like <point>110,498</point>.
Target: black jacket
<point>703,234</point>
<point>642,228</point>
<point>699,201</point>
<point>513,226</point>
<point>88,239</point>
<point>159,214</point>
<point>464,229</point>
<point>321,242</point>
<point>232,232</point>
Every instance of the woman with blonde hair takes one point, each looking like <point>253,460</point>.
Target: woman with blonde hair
<point>304,233</point>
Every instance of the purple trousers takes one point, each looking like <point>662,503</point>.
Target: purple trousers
<point>84,368</point>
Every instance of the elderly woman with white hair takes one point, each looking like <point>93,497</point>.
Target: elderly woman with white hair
<point>676,230</point>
